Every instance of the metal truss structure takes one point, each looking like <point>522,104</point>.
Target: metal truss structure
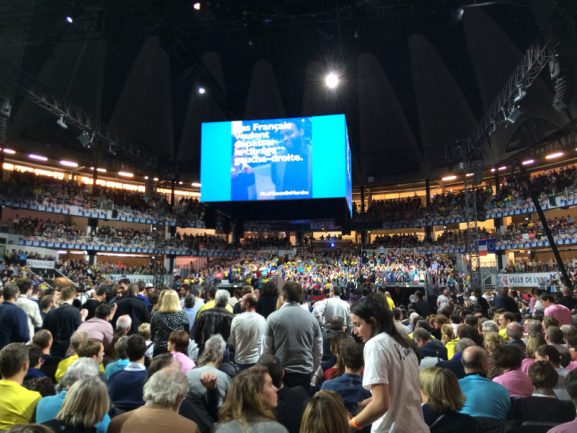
<point>77,117</point>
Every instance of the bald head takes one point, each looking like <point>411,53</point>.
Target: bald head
<point>475,360</point>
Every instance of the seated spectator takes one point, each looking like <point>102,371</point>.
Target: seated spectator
<point>325,413</point>
<point>178,342</point>
<point>431,351</point>
<point>534,341</point>
<point>483,398</point>
<point>35,379</point>
<point>571,426</point>
<point>122,361</point>
<point>250,403</point>
<point>337,368</point>
<point>209,362</point>
<point>442,399</point>
<point>454,364</point>
<point>126,386</point>
<point>76,340</point>
<point>349,385</point>
<point>43,339</point>
<point>163,393</point>
<point>291,400</point>
<point>93,349</point>
<point>84,406</point>
<point>17,404</point>
<point>507,358</point>
<point>48,407</point>
<point>99,327</point>
<point>542,405</point>
<point>515,334</point>
<point>549,353</point>
<point>449,339</point>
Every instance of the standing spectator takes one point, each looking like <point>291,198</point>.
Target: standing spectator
<point>17,404</point>
<point>420,305</point>
<point>483,398</point>
<point>444,299</point>
<point>391,371</point>
<point>99,327</point>
<point>129,304</point>
<point>267,302</point>
<point>98,298</point>
<point>504,301</point>
<point>163,394</point>
<point>335,306</point>
<point>558,311</point>
<point>215,320</point>
<point>567,298</point>
<point>63,321</point>
<point>30,307</point>
<point>169,317</point>
<point>198,304</point>
<point>294,335</point>
<point>246,333</point>
<point>13,321</point>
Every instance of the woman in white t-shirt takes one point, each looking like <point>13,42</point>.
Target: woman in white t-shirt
<point>391,372</point>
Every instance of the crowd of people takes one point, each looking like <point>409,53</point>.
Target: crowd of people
<point>201,358</point>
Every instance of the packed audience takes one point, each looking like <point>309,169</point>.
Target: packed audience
<point>199,358</point>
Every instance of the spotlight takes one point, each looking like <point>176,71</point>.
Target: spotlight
<point>85,139</point>
<point>196,6</point>
<point>459,14</point>
<point>521,93</point>
<point>201,90</point>
<point>332,80</point>
<point>69,19</point>
<point>60,122</point>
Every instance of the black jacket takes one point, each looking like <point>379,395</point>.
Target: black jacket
<point>62,322</point>
<point>135,308</point>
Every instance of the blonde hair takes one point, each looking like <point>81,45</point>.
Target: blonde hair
<point>492,340</point>
<point>244,402</point>
<point>144,330</point>
<point>168,302</point>
<point>442,388</point>
<point>534,341</point>
<point>325,413</point>
<point>85,404</point>
<point>447,333</point>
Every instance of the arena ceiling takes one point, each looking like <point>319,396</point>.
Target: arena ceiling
<point>416,75</point>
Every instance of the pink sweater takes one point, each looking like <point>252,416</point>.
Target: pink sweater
<point>516,383</point>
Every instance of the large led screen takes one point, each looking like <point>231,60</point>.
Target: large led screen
<point>275,159</point>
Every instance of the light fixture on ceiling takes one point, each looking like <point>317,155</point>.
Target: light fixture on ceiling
<point>332,80</point>
<point>62,123</point>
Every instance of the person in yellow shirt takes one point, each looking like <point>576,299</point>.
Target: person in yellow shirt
<point>83,348</point>
<point>211,303</point>
<point>17,404</point>
<point>504,319</point>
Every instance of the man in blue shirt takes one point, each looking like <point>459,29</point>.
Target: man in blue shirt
<point>483,397</point>
<point>350,385</point>
<point>13,321</point>
<point>126,387</point>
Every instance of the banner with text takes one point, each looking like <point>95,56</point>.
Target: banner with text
<point>536,279</point>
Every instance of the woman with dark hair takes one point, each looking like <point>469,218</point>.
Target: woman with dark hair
<point>391,371</point>
<point>268,300</point>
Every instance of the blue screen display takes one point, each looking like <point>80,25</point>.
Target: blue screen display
<point>276,159</point>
